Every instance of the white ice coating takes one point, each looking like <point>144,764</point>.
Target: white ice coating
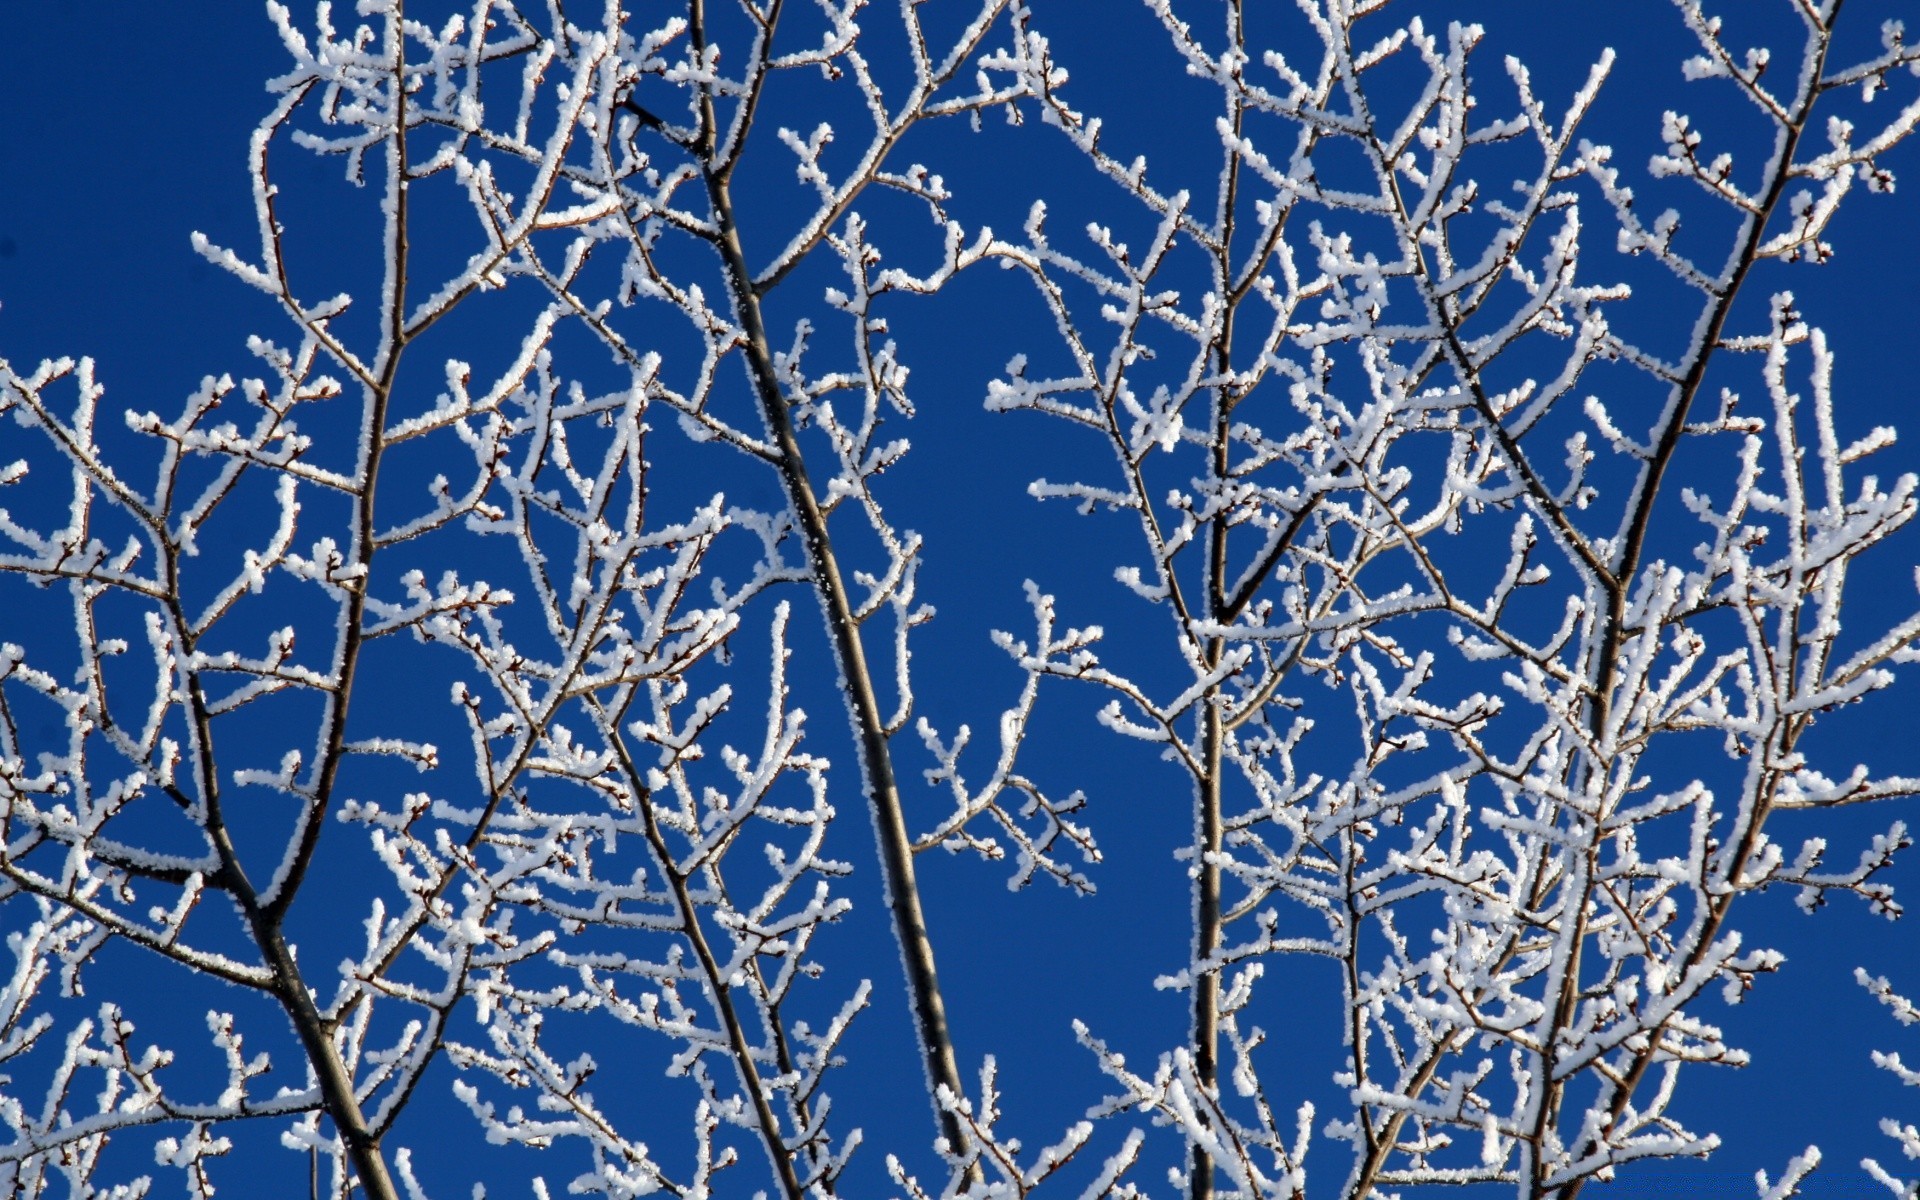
<point>1427,563</point>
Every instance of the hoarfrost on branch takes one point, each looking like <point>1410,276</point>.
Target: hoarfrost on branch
<point>1490,627</point>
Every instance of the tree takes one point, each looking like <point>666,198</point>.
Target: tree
<point>1485,620</point>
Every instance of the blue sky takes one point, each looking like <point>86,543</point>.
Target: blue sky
<point>124,130</point>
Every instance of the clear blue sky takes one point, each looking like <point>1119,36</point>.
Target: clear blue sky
<point>123,127</point>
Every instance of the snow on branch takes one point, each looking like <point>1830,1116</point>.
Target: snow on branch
<point>434,679</point>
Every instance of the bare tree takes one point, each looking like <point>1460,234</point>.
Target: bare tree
<point>1487,711</point>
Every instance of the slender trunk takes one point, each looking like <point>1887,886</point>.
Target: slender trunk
<point>266,921</point>
<point>289,988</point>
<point>863,705</point>
<point>1207,790</point>
<point>1206,929</point>
<point>362,1145</point>
<point>1639,522</point>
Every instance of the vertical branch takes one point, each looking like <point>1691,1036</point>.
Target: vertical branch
<point>719,987</point>
<point>876,760</point>
<point>716,155</point>
<point>1636,524</point>
<point>266,914</point>
<point>1209,786</point>
<point>1208,827</point>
